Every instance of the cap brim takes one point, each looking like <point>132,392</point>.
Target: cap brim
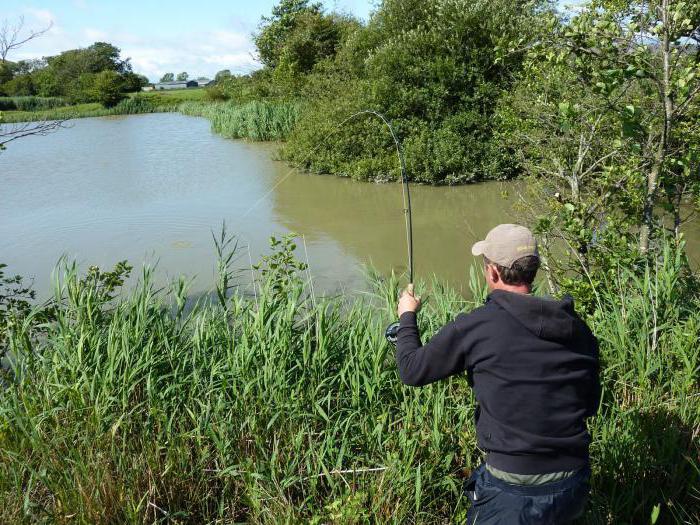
<point>478,248</point>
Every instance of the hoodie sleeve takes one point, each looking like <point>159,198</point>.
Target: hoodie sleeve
<point>423,364</point>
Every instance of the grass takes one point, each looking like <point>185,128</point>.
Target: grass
<point>179,95</point>
<point>144,102</point>
<point>281,407</point>
<point>253,120</point>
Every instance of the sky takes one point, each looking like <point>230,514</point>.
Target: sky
<point>197,36</point>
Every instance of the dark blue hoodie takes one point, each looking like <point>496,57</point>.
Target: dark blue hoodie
<point>533,365</point>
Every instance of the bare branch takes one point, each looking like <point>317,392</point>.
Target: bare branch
<point>11,37</point>
<point>10,132</point>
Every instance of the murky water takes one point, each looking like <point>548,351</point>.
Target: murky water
<point>151,188</point>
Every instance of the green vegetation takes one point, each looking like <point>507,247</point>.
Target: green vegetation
<point>31,103</point>
<point>285,407</point>
<point>180,95</point>
<point>254,120</point>
<point>92,74</point>
<point>145,102</point>
<point>278,406</point>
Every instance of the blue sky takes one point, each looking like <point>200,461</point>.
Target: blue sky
<point>197,36</point>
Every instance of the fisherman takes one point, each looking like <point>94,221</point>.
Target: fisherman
<point>533,365</point>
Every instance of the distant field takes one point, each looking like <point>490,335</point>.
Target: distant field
<point>175,94</point>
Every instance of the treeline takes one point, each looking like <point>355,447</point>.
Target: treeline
<point>599,109</point>
<point>92,74</point>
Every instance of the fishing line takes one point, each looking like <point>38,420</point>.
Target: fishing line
<point>391,331</point>
<point>404,179</point>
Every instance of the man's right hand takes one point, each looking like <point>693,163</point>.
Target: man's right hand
<point>408,302</point>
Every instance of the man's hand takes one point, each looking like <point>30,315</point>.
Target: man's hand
<point>408,302</point>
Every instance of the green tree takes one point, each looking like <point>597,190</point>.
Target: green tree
<point>134,82</point>
<point>605,119</point>
<point>433,68</point>
<point>183,76</point>
<point>275,30</point>
<point>107,88</point>
<point>224,73</point>
<point>168,77</point>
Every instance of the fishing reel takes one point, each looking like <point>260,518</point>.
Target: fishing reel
<point>392,332</point>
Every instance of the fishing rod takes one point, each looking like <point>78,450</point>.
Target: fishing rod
<point>391,331</point>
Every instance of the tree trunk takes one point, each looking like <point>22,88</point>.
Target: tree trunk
<point>661,150</point>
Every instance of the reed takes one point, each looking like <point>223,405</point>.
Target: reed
<point>31,103</point>
<point>261,121</point>
<point>288,408</point>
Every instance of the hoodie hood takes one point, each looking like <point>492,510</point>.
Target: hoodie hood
<point>547,318</point>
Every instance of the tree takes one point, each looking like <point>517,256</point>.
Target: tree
<point>13,36</point>
<point>11,40</point>
<point>107,88</point>
<point>134,82</point>
<point>432,68</point>
<point>274,30</point>
<point>168,77</point>
<point>224,73</point>
<point>182,77</point>
<point>605,119</point>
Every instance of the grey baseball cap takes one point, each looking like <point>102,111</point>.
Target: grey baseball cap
<point>506,243</point>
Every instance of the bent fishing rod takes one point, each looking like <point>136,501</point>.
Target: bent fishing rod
<point>391,331</point>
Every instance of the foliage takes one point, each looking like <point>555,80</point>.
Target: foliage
<point>182,76</point>
<point>280,269</point>
<point>275,30</point>
<point>431,68</point>
<point>220,75</point>
<point>288,407</point>
<point>31,103</point>
<point>167,77</point>
<point>15,302</point>
<point>604,120</point>
<point>107,88</point>
<point>79,75</point>
<point>254,120</point>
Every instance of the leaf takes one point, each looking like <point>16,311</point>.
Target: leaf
<point>655,514</point>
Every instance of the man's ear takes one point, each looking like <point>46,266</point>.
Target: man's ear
<point>492,274</point>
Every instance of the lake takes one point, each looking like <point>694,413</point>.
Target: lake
<point>152,188</point>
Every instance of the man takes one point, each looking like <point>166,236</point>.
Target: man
<point>533,366</point>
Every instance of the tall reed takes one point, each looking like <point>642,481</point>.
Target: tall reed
<point>288,408</point>
<point>261,121</point>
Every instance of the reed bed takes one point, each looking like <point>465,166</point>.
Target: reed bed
<point>31,103</point>
<point>261,121</point>
<point>128,106</point>
<point>281,407</point>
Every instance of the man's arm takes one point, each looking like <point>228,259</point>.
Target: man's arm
<point>420,365</point>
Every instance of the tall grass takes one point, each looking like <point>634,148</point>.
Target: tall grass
<point>128,106</point>
<point>31,103</point>
<point>254,120</point>
<point>288,408</point>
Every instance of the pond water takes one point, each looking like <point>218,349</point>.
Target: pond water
<point>152,188</point>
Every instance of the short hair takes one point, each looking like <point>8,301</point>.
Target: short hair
<point>523,270</point>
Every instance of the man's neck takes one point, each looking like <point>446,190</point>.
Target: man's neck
<point>514,288</point>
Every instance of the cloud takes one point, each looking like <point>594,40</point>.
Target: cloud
<point>200,53</point>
